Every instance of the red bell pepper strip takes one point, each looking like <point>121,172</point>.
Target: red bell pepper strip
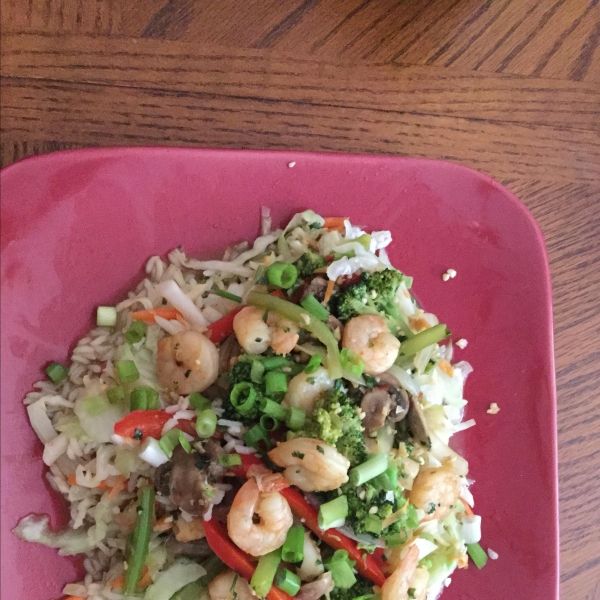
<point>150,423</point>
<point>365,562</point>
<point>233,557</point>
<point>248,460</point>
<point>223,328</point>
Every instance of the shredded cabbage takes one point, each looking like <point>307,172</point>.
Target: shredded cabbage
<point>171,580</point>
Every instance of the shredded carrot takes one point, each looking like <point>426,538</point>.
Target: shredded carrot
<point>72,480</point>
<point>446,367</point>
<point>74,598</point>
<point>329,290</point>
<point>335,223</point>
<point>467,507</point>
<point>166,312</point>
<point>145,580</point>
<point>118,486</point>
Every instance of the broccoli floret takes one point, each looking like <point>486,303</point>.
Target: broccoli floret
<point>362,587</point>
<point>371,294</point>
<point>308,263</point>
<point>362,499</point>
<point>335,420</point>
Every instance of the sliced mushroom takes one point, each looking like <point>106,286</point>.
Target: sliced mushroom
<point>316,287</point>
<point>195,549</point>
<point>417,422</point>
<point>185,480</point>
<point>229,352</point>
<point>318,588</point>
<point>381,403</point>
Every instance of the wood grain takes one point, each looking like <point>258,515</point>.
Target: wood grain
<point>510,87</point>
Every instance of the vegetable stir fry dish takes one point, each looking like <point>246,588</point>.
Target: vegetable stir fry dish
<point>274,424</point>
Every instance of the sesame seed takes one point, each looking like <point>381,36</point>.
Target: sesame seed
<point>462,343</point>
<point>292,164</point>
<point>494,409</point>
<point>452,273</point>
<point>445,276</point>
<point>493,555</point>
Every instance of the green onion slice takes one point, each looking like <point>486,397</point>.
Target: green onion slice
<point>136,332</point>
<point>264,574</point>
<point>376,465</point>
<point>333,513</point>
<point>282,275</point>
<point>206,423</point>
<point>106,316</point>
<point>56,372</point>
<point>315,308</point>
<point>292,550</point>
<point>243,396</point>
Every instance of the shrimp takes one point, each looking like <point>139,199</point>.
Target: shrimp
<point>230,586</point>
<point>304,389</point>
<point>311,464</point>
<point>255,332</point>
<point>435,490</point>
<point>370,337</point>
<point>269,508</point>
<point>187,362</point>
<point>396,586</point>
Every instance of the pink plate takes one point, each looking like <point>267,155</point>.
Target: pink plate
<point>77,227</point>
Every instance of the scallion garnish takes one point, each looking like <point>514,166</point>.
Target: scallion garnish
<point>333,513</point>
<point>136,332</point>
<point>127,371</point>
<point>106,316</point>
<point>282,275</point>
<point>224,294</point>
<point>56,372</point>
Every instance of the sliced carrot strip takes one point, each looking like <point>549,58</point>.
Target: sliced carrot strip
<point>145,581</point>
<point>467,507</point>
<point>335,223</point>
<point>74,598</point>
<point>166,312</point>
<point>118,486</point>
<point>72,480</point>
<point>446,367</point>
<point>329,290</point>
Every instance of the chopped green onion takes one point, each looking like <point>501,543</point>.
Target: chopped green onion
<point>275,362</point>
<point>292,550</point>
<point>373,524</point>
<point>264,574</point>
<point>184,442</point>
<point>257,371</point>
<point>282,275</point>
<point>136,332</point>
<point>116,394</point>
<point>275,382</point>
<point>138,548</point>
<point>315,308</point>
<point>268,423</point>
<point>106,316</point>
<point>352,362</point>
<point>243,396</point>
<point>272,409</point>
<point>94,405</point>
<point>256,434</point>
<point>307,321</point>
<point>477,554</point>
<point>127,371</point>
<point>295,418</point>
<point>198,401</point>
<point>388,480</point>
<point>144,398</point>
<point>206,423</point>
<point>224,294</point>
<point>376,465</point>
<point>333,513</point>
<point>169,441</point>
<point>313,364</point>
<point>425,338</point>
<point>340,568</point>
<point>287,581</point>
<point>56,372</point>
<point>230,460</point>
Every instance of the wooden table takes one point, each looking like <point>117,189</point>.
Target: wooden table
<point>509,87</point>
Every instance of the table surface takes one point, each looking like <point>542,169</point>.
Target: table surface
<point>509,87</point>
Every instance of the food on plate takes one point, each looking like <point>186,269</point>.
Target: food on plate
<point>272,424</point>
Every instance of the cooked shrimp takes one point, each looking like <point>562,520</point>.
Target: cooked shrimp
<point>251,330</point>
<point>255,332</point>
<point>284,333</point>
<point>305,388</point>
<point>272,512</point>
<point>187,362</point>
<point>230,586</point>
<point>398,583</point>
<point>311,464</point>
<point>370,337</point>
<point>436,490</point>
